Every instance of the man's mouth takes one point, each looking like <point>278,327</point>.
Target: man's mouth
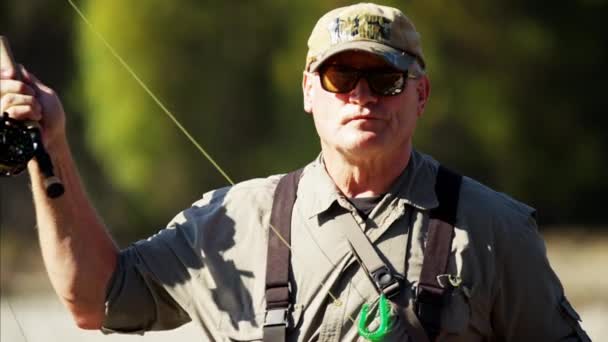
<point>361,117</point>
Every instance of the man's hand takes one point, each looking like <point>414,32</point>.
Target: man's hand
<point>30,100</point>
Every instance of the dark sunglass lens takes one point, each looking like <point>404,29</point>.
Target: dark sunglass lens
<point>386,83</point>
<point>338,80</point>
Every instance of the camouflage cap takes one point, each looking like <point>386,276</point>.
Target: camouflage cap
<point>380,30</point>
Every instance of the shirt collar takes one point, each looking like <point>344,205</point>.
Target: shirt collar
<point>415,186</point>
<point>317,189</point>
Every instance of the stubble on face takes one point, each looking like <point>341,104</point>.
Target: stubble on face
<point>361,124</point>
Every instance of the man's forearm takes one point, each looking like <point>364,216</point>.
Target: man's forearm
<point>78,252</point>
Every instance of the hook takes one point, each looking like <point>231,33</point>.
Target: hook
<point>383,312</point>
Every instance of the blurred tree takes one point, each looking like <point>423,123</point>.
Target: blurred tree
<point>516,97</point>
<point>500,107</point>
<point>212,65</point>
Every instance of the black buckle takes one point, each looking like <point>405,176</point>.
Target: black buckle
<point>386,281</point>
<point>276,316</point>
<point>429,295</point>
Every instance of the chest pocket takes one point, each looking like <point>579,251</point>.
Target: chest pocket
<point>463,318</point>
<point>456,314</point>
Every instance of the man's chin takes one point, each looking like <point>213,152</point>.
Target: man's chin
<point>368,145</point>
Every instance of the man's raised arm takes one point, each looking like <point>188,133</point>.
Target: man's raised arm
<point>79,254</point>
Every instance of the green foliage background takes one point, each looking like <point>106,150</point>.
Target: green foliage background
<point>517,96</point>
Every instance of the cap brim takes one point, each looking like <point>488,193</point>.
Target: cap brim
<point>397,58</point>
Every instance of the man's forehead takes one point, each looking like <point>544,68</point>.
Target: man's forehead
<point>358,59</point>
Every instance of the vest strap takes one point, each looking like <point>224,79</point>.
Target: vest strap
<point>431,290</point>
<point>277,261</point>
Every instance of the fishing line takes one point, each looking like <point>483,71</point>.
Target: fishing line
<point>147,89</point>
<point>188,135</point>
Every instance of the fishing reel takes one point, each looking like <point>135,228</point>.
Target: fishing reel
<point>18,145</point>
<point>20,142</point>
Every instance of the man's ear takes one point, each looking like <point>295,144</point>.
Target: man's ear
<point>307,82</point>
<point>423,89</point>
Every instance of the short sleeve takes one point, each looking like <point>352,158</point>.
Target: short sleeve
<point>529,301</point>
<point>137,302</point>
<point>151,286</point>
<point>205,267</point>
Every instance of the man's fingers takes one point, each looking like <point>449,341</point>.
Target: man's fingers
<point>18,98</point>
<point>24,113</point>
<point>10,100</point>
<point>21,107</point>
<point>27,76</point>
<point>32,80</point>
<point>9,86</point>
<point>6,73</point>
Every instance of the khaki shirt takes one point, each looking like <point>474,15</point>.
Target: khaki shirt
<point>209,264</point>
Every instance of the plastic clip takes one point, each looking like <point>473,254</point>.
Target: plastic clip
<point>385,321</point>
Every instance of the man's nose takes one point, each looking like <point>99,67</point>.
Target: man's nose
<point>362,93</point>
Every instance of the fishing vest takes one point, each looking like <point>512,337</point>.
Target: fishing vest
<point>423,320</point>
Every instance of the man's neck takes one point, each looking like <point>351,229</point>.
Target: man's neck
<point>365,178</point>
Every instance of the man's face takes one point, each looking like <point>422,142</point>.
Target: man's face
<point>361,124</point>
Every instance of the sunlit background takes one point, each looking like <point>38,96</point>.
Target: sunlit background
<point>518,102</point>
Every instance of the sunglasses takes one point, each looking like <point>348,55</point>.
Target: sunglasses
<point>342,79</point>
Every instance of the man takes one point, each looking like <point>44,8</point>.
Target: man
<point>364,85</point>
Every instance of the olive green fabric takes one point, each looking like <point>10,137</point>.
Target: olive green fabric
<point>208,266</point>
